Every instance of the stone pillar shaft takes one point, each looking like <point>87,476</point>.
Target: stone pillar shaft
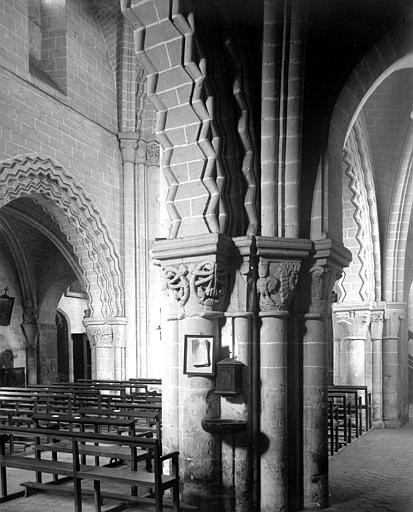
<point>128,145</point>
<point>376,329</point>
<point>392,406</point>
<point>273,338</point>
<point>196,276</point>
<point>329,260</point>
<point>284,36</point>
<point>278,270</point>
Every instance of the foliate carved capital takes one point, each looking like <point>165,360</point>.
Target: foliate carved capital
<point>323,279</point>
<point>393,317</point>
<point>276,284</point>
<point>376,326</point>
<point>351,323</point>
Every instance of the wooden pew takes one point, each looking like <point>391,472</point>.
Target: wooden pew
<point>133,475</point>
<point>366,400</point>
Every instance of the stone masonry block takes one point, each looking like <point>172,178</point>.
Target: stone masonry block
<point>169,98</point>
<point>175,51</point>
<point>190,190</point>
<point>181,116</point>
<point>172,78</point>
<point>159,57</point>
<point>162,8</point>
<point>187,153</point>
<point>146,11</point>
<point>176,136</point>
<point>160,33</point>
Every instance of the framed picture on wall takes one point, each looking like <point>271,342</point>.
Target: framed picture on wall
<point>199,355</point>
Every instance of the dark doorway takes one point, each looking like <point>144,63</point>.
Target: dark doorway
<point>62,348</point>
<point>82,368</point>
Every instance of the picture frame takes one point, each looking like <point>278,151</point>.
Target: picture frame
<point>199,355</point>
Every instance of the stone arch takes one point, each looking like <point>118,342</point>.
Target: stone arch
<point>55,189</point>
<point>392,53</point>
<point>362,280</point>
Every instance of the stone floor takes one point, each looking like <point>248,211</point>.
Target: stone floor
<point>375,473</point>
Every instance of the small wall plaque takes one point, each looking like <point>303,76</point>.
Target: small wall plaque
<point>199,355</point>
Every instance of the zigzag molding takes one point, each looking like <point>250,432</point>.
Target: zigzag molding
<point>199,100</point>
<point>362,216</point>
<point>79,220</point>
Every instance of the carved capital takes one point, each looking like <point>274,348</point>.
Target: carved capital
<point>29,312</point>
<point>376,326</point>
<point>210,282</point>
<point>393,316</point>
<point>276,284</point>
<point>323,278</point>
<point>195,273</point>
<point>128,145</point>
<point>176,282</point>
<point>352,323</point>
<point>152,153</point>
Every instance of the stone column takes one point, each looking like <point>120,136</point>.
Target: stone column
<point>239,452</point>
<point>376,330</point>
<point>196,275</point>
<point>278,269</point>
<point>284,39</point>
<point>392,406</point>
<point>351,322</point>
<point>107,346</point>
<point>31,334</point>
<point>326,266</point>
<point>128,146</point>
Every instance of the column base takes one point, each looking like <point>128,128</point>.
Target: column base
<point>378,424</point>
<point>393,423</point>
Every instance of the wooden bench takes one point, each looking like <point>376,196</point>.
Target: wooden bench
<point>133,476</point>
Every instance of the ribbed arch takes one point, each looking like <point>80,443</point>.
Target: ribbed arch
<point>393,53</point>
<point>65,201</point>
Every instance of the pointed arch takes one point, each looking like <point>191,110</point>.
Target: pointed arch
<point>65,201</point>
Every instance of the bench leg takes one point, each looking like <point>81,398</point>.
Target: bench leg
<point>3,481</point>
<point>77,494</point>
<point>97,496</point>
<point>175,497</point>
